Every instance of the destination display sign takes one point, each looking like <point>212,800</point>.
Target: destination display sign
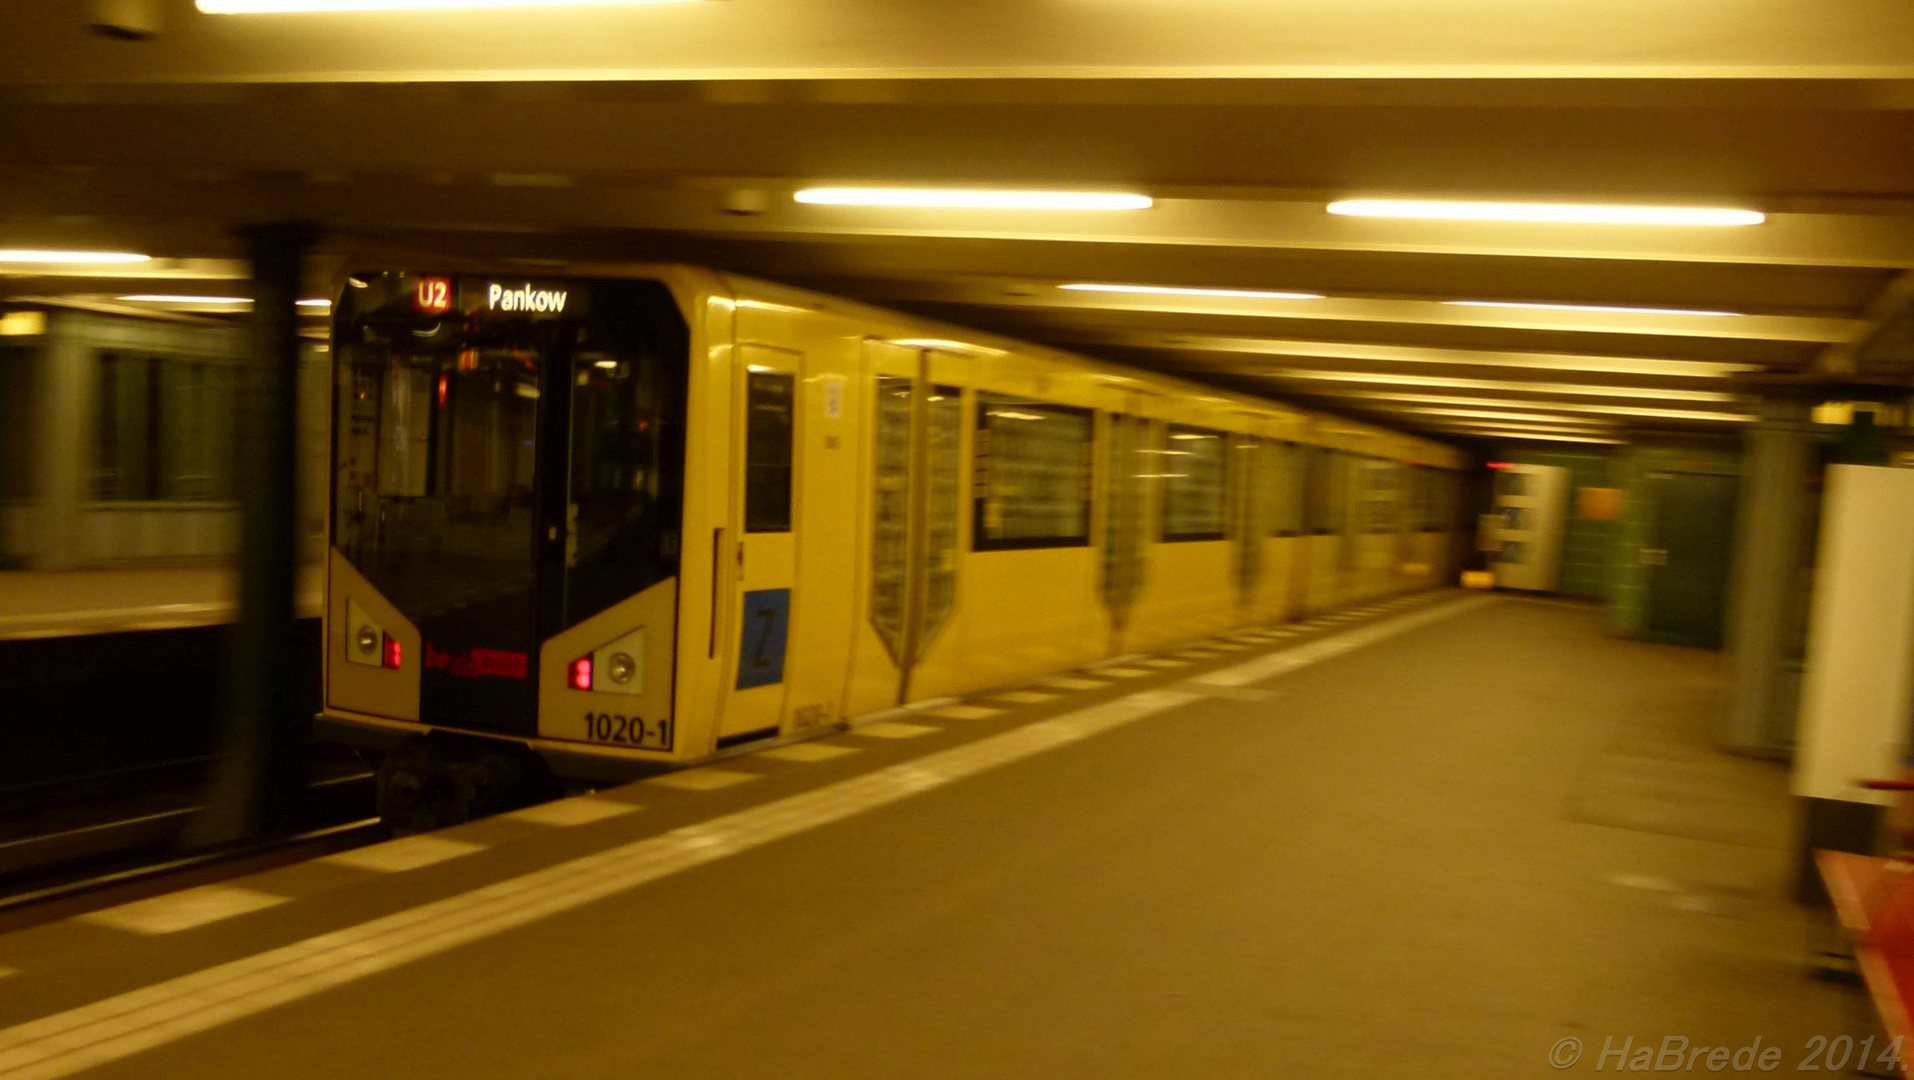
<point>523,298</point>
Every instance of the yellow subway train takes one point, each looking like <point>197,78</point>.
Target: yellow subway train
<point>636,515</point>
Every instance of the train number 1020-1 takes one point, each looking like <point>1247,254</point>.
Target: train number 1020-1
<point>628,731</point>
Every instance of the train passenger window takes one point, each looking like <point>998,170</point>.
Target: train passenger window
<point>946,413</point>
<point>1423,498</point>
<point>19,431</point>
<point>1448,501</point>
<point>767,452</point>
<point>164,429</point>
<point>891,569</point>
<point>1325,489</point>
<point>1033,474</point>
<point>1511,483</point>
<point>1379,495</point>
<point>1195,477</point>
<point>890,526</point>
<point>1291,483</point>
<point>1129,467</point>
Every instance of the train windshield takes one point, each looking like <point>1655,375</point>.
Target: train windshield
<point>508,459</point>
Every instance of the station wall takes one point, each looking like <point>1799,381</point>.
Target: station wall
<point>1676,503</point>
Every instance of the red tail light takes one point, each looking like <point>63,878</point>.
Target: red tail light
<point>581,673</point>
<point>393,653</point>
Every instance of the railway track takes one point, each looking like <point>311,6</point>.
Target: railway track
<point>101,839</point>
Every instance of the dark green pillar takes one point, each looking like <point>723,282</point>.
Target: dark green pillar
<point>259,778</point>
<point>1768,589</point>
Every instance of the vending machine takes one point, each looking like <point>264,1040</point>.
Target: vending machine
<point>1528,517</point>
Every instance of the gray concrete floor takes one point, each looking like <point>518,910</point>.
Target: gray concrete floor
<point>1435,857</point>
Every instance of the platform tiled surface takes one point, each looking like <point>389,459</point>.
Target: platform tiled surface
<point>1424,855</point>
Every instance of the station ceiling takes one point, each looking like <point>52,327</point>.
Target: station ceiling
<point>683,130</point>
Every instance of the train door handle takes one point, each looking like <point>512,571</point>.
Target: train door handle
<point>717,588</point>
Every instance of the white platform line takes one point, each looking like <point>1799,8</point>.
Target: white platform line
<point>1273,664</point>
<point>183,910</point>
<point>405,853</point>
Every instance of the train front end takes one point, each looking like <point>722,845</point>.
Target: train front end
<point>507,504</point>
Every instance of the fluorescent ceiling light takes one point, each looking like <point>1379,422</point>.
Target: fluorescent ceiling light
<point>1557,406</point>
<point>1537,436</point>
<point>1603,308</point>
<point>160,298</point>
<point>292,7</point>
<point>1173,290</point>
<point>1585,429</point>
<point>1558,213</point>
<point>974,198</point>
<point>1414,354</point>
<point>945,343</point>
<point>315,303</point>
<point>71,257</point>
<point>1508,417</point>
<point>1578,389</point>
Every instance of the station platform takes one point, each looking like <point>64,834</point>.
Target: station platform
<point>60,603</point>
<point>1442,836</point>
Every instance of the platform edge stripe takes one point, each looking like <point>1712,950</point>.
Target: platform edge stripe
<point>1274,664</point>
<point>123,1025</point>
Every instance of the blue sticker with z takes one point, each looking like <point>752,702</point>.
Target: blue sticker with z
<point>761,653</point>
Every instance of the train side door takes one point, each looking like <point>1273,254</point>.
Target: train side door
<point>1128,466</point>
<point>1302,524</point>
<point>915,464</point>
<point>1247,517</point>
<point>766,417</point>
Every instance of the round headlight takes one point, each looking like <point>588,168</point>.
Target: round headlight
<point>368,641</point>
<point>621,668</point>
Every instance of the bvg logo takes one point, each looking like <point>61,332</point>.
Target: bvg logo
<point>478,663</point>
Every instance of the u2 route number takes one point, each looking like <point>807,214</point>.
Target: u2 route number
<point>631,731</point>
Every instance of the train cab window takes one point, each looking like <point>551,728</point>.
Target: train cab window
<point>767,452</point>
<point>1033,474</point>
<point>406,416</point>
<point>499,476</point>
<point>627,448</point>
<point>1195,477</point>
<point>1509,482</point>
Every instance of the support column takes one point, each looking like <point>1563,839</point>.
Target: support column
<point>260,775</point>
<point>67,389</point>
<point>1768,590</point>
